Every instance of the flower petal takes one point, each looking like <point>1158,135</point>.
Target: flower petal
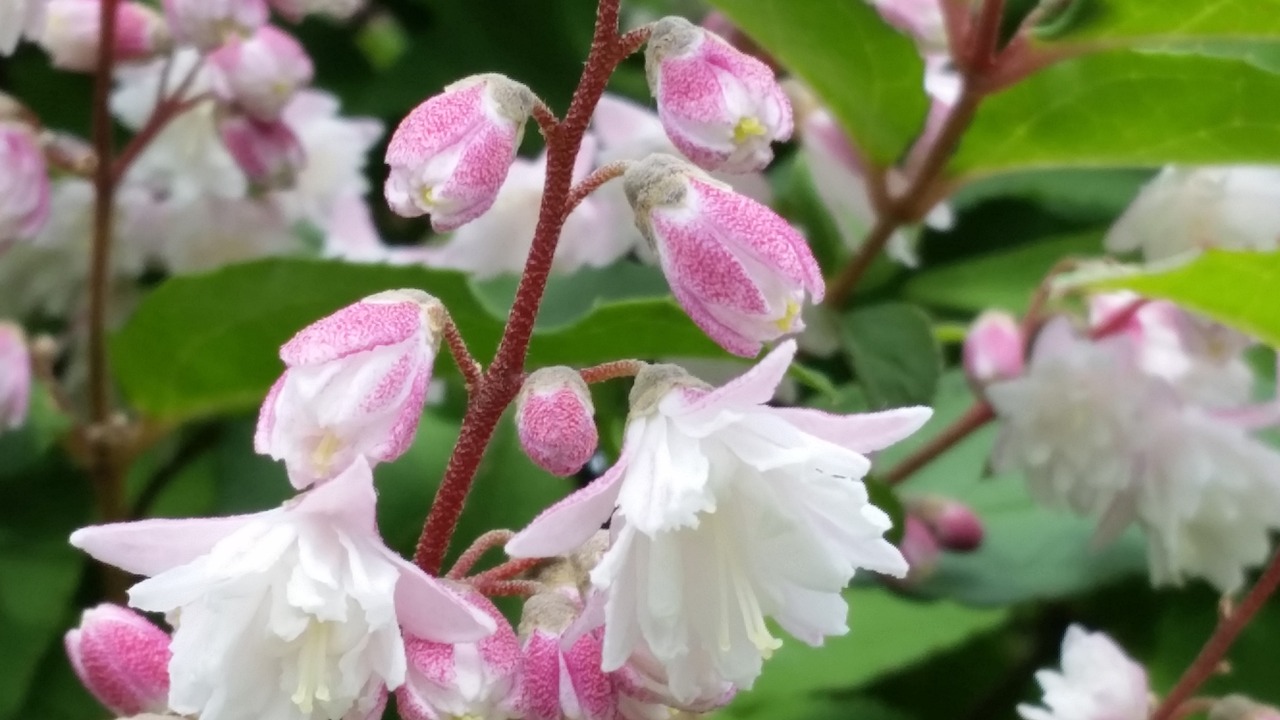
<point>149,547</point>
<point>861,433</point>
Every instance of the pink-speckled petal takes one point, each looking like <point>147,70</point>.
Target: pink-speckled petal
<point>434,660</point>
<point>121,658</point>
<point>555,424</point>
<point>693,258</point>
<point>355,328</point>
<point>595,691</point>
<point>396,442</point>
<point>473,186</point>
<point>541,679</point>
<point>149,547</point>
<point>723,335</point>
<point>563,527</point>
<point>429,609</point>
<point>437,123</point>
<point>863,433</point>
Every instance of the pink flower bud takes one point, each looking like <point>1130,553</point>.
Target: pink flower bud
<point>954,525</point>
<point>295,10</point>
<point>721,107</point>
<point>15,376</point>
<point>355,386</point>
<point>261,73</point>
<point>740,271</point>
<point>921,550</point>
<point>450,155</point>
<point>993,349</point>
<point>268,152</point>
<point>122,659</point>
<point>467,680</point>
<point>718,23</point>
<point>24,184</point>
<point>72,33</point>
<point>208,23</point>
<point>563,679</point>
<point>554,420</point>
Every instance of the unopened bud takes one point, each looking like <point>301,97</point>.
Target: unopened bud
<point>72,33</point>
<point>920,548</point>
<point>269,153</point>
<point>993,349</point>
<point>261,73</point>
<point>554,420</point>
<point>561,678</point>
<point>122,659</point>
<point>953,524</point>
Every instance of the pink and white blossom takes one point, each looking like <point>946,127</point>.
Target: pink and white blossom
<point>1097,681</point>
<point>740,271</point>
<point>268,152</point>
<point>464,680</point>
<point>15,376</point>
<point>555,420</point>
<point>206,24</point>
<point>563,675</point>
<point>71,33</point>
<point>24,184</point>
<point>1236,207</point>
<point>290,614</point>
<point>740,500</point>
<point>19,19</point>
<point>721,107</point>
<point>261,72</point>
<point>122,659</point>
<point>354,387</point>
<point>993,348</point>
<point>450,155</point>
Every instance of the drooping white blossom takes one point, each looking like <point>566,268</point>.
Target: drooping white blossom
<point>1097,681</point>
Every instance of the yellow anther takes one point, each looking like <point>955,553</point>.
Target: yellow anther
<point>747,128</point>
<point>788,318</point>
<point>322,456</point>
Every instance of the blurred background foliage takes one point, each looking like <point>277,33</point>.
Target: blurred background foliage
<point>1051,163</point>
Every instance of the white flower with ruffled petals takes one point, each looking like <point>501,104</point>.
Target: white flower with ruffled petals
<point>1097,682</point>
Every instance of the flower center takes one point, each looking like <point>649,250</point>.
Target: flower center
<point>747,128</point>
<point>735,579</point>
<point>788,318</point>
<point>322,456</point>
<point>312,659</point>
<point>427,196</point>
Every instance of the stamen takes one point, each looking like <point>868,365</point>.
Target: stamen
<point>747,128</point>
<point>311,667</point>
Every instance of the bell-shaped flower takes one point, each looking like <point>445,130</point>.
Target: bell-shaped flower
<point>993,348</point>
<point>24,184</point>
<point>15,376</point>
<point>721,107</point>
<point>72,33</point>
<point>563,676</point>
<point>206,24</point>
<point>122,659</point>
<point>464,680</point>
<point>555,420</point>
<point>450,155</point>
<point>290,614</point>
<point>1097,682</point>
<point>355,385</point>
<point>268,152</point>
<point>1236,207</point>
<point>728,512</point>
<point>18,19</point>
<point>740,271</point>
<point>261,72</point>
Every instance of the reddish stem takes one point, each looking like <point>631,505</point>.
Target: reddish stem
<point>507,570</point>
<point>104,198</point>
<point>592,182</point>
<point>978,414</point>
<point>470,368</point>
<point>509,588</point>
<point>1119,319</point>
<point>500,384</point>
<point>611,370</point>
<point>1215,649</point>
<point>483,544</point>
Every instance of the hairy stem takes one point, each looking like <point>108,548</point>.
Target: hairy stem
<point>483,544</point>
<point>611,370</point>
<point>592,182</point>
<point>471,370</point>
<point>501,382</point>
<point>1216,647</point>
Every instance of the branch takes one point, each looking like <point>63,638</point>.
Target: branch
<point>1215,649</point>
<point>978,414</point>
<point>483,544</point>
<point>611,370</point>
<point>471,370</point>
<point>592,182</point>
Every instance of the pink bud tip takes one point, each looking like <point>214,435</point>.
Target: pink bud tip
<point>563,677</point>
<point>720,24</point>
<point>15,376</point>
<point>554,420</point>
<point>261,73</point>
<point>993,349</point>
<point>72,31</point>
<point>451,154</point>
<point>122,659</point>
<point>954,525</point>
<point>920,548</point>
<point>721,107</point>
<point>24,184</point>
<point>268,152</point>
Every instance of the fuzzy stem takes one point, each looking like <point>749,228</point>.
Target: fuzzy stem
<point>980,56</point>
<point>592,182</point>
<point>500,384</point>
<point>470,556</point>
<point>507,570</point>
<point>509,588</point>
<point>471,370</point>
<point>611,370</point>
<point>1216,647</point>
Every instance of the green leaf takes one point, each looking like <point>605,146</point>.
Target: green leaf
<point>887,633</point>
<point>205,344</point>
<point>1004,280</point>
<point>1235,288</point>
<point>1109,22</point>
<point>893,352</point>
<point>1127,109</point>
<point>869,74</point>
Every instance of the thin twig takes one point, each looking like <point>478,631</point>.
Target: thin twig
<point>507,570</point>
<point>611,370</point>
<point>978,414</point>
<point>1224,636</point>
<point>470,556</point>
<point>509,588</point>
<point>592,182</point>
<point>545,117</point>
<point>471,369</point>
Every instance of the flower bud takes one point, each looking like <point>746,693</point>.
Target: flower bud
<point>920,548</point>
<point>993,349</point>
<point>740,271</point>
<point>721,107</point>
<point>451,154</point>
<point>122,659</point>
<point>269,153</point>
<point>554,420</point>
<point>954,525</point>
<point>15,376</point>
<point>563,679</point>
<point>19,18</point>
<point>260,73</point>
<point>72,31</point>
<point>467,680</point>
<point>24,184</point>
<point>208,23</point>
<point>354,386</point>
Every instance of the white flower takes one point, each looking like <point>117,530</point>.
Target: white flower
<point>1236,207</point>
<point>1097,682</point>
<point>19,18</point>
<point>289,614</point>
<point>728,512</point>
